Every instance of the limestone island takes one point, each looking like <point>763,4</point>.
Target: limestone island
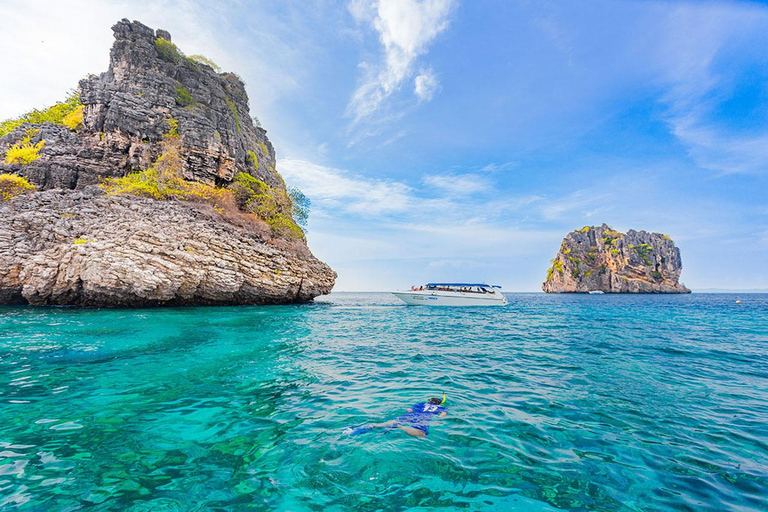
<point>600,259</point>
<point>150,185</point>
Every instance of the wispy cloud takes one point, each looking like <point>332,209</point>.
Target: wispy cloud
<point>577,204</point>
<point>495,167</point>
<point>343,191</point>
<point>405,28</point>
<point>697,58</point>
<point>459,184</point>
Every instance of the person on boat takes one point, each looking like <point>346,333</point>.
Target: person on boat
<point>416,422</point>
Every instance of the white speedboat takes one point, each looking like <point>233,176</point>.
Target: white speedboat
<point>453,294</point>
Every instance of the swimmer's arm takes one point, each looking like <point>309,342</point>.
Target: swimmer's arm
<point>443,415</point>
<point>410,409</point>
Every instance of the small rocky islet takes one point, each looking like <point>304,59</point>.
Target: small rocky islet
<point>152,186</point>
<point>598,258</point>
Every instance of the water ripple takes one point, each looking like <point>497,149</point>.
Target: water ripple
<point>556,402</point>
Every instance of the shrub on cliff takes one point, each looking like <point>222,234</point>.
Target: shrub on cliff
<point>255,196</point>
<point>299,206</point>
<point>202,59</point>
<point>74,119</point>
<point>161,182</point>
<point>251,159</point>
<point>11,185</point>
<point>164,179</point>
<point>55,114</point>
<point>24,152</point>
<point>168,51</point>
<point>183,96</point>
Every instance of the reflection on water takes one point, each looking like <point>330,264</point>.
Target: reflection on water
<point>556,402</point>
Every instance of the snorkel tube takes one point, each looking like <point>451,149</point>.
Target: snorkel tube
<point>444,399</point>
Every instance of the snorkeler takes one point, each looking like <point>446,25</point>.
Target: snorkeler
<point>415,423</point>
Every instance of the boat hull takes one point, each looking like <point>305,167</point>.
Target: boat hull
<point>439,298</point>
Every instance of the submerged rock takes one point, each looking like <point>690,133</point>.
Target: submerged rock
<point>602,259</point>
<point>70,244</point>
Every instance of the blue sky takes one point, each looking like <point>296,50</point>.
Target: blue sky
<point>461,140</point>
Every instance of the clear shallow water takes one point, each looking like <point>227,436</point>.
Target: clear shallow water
<point>556,402</point>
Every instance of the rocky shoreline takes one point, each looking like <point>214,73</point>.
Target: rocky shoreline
<point>83,248</point>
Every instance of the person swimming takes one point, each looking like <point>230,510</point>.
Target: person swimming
<point>416,422</point>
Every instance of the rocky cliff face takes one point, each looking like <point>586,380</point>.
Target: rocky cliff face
<point>71,243</point>
<point>126,112</point>
<point>599,258</point>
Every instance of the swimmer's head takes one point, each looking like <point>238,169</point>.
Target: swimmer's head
<point>436,401</point>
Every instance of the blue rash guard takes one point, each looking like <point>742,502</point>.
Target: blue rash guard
<point>420,416</point>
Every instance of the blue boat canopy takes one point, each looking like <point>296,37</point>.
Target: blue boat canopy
<point>465,284</point>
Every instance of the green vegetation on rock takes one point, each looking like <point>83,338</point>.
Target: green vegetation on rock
<point>183,96</point>
<point>74,119</point>
<point>233,108</point>
<point>255,196</point>
<point>164,180</point>
<point>24,152</point>
<point>55,114</point>
<point>252,159</point>
<point>202,59</point>
<point>557,266</point>
<point>643,250</point>
<point>168,51</point>
<point>12,185</point>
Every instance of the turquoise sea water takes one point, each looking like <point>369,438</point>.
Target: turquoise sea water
<point>556,402</point>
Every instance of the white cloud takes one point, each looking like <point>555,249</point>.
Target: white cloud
<point>426,85</point>
<point>406,28</point>
<point>336,189</point>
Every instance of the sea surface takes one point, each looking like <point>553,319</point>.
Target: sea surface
<point>556,402</point>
